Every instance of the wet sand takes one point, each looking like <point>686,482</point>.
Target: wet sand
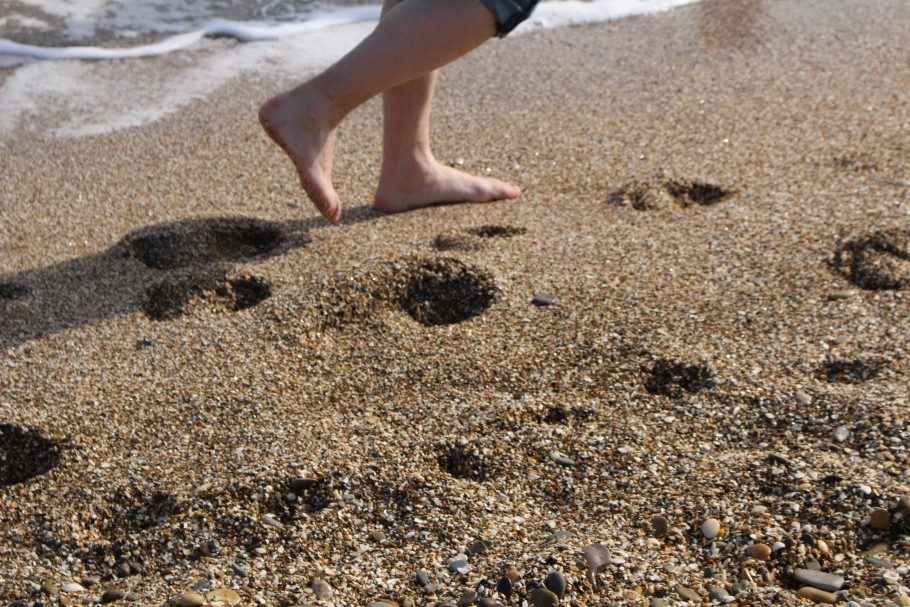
<point>205,383</point>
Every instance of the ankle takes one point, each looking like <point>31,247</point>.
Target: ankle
<point>408,163</point>
<point>319,106</point>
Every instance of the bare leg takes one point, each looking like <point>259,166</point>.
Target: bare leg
<point>415,38</point>
<point>411,177</point>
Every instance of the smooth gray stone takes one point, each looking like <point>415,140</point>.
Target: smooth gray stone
<point>819,579</point>
<point>717,593</point>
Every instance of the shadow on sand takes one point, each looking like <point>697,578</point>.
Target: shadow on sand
<point>84,290</point>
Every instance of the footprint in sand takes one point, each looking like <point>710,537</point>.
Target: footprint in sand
<point>671,378</point>
<point>24,454</point>
<point>465,461</point>
<point>658,193</point>
<point>444,291</point>
<point>848,371</point>
<point>470,239</point>
<point>176,296</point>
<point>200,242</point>
<point>878,261</point>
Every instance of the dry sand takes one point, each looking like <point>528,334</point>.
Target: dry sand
<point>291,418</point>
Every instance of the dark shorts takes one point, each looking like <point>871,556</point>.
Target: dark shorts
<point>509,13</point>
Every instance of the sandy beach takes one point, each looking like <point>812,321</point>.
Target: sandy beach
<point>686,342</point>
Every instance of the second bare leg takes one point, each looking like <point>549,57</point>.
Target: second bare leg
<point>411,177</point>
<point>415,38</point>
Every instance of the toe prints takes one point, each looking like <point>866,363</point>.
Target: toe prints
<point>878,261</point>
<point>849,371</point>
<point>496,231</point>
<point>176,296</point>
<point>659,193</point>
<point>471,239</point>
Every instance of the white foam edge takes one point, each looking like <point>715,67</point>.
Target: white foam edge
<point>245,31</point>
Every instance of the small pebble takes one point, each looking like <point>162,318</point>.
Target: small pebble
<point>841,433</point>
<point>717,593</point>
<point>813,564</point>
<point>122,569</point>
<point>190,599</point>
<point>761,552</point>
<point>561,458</point>
<point>904,503</point>
<point>513,575</point>
<point>880,519</point>
<point>541,597</point>
<point>112,594</point>
<point>892,577</point>
<point>72,587</point>
<point>48,589</point>
<point>842,294</point>
<point>459,564</point>
<point>660,525</point>
<point>321,589</point>
<point>556,583</point>
<point>91,580</point>
<point>423,578</point>
<point>479,547</point>
<point>269,520</point>
<point>543,299</point>
<point>377,535</point>
<point>210,548</point>
<point>467,598</point>
<point>687,594</point>
<point>816,595</point>
<point>224,595</point>
<point>710,528</point>
<point>504,586</point>
<point>803,399</point>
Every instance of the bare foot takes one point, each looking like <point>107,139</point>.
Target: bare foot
<point>294,121</point>
<point>434,183</point>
